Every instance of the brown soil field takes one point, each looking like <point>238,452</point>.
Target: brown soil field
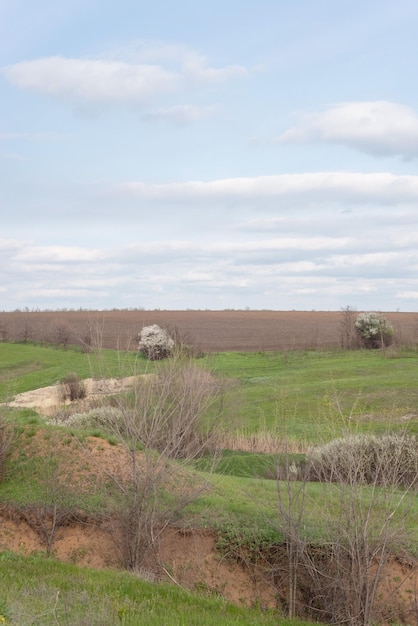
<point>209,331</point>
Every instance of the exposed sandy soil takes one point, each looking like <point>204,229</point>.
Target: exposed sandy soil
<point>188,556</point>
<point>47,400</point>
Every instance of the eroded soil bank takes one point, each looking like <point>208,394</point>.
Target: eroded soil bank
<point>190,558</point>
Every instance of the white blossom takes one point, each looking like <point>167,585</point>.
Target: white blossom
<point>155,342</point>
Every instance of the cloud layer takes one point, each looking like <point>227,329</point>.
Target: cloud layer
<point>357,239</point>
<point>313,187</point>
<point>130,175</point>
<point>379,128</point>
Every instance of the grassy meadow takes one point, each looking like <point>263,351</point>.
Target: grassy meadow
<point>315,395</point>
<point>305,398</point>
<point>36,590</point>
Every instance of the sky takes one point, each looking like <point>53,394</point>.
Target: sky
<point>233,154</point>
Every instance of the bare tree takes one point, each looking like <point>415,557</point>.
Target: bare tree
<point>62,335</point>
<point>91,339</point>
<point>27,330</point>
<point>4,331</point>
<point>362,526</point>
<point>167,420</point>
<point>347,325</point>
<point>291,510</point>
<point>56,508</point>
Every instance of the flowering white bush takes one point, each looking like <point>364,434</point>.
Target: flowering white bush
<point>374,329</point>
<point>155,342</point>
<point>101,417</point>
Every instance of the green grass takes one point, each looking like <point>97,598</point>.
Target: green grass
<point>312,396</point>
<point>35,590</point>
<point>309,396</point>
<point>24,367</point>
<point>238,505</point>
<point>247,464</point>
<point>247,508</point>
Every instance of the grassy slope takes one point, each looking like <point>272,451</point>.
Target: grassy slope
<point>299,386</point>
<point>41,591</point>
<point>240,508</point>
<point>24,367</point>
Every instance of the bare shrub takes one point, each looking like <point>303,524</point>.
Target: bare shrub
<point>27,331</point>
<point>4,331</point>
<point>72,388</point>
<point>380,459</point>
<point>162,424</point>
<point>62,335</point>
<point>349,337</point>
<point>104,417</point>
<point>360,526</point>
<point>91,339</point>
<point>56,508</point>
<point>183,345</point>
<point>151,495</point>
<point>167,411</point>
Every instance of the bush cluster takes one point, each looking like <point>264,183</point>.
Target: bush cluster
<point>155,342</point>
<point>72,388</point>
<point>374,330</point>
<point>104,417</point>
<point>390,459</point>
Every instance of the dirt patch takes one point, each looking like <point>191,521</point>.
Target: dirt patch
<point>189,559</point>
<point>47,400</point>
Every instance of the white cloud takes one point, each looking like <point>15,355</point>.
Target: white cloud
<point>57,254</point>
<point>84,80</point>
<point>409,295</point>
<point>197,71</point>
<point>191,64</point>
<point>313,187</point>
<point>100,81</point>
<point>282,267</point>
<point>379,128</point>
<point>181,113</point>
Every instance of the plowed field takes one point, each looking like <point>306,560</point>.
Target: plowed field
<point>211,331</point>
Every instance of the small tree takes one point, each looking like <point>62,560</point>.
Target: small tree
<point>362,513</point>
<point>72,388</point>
<point>374,330</point>
<point>62,335</point>
<point>164,422</point>
<point>347,325</point>
<point>155,343</point>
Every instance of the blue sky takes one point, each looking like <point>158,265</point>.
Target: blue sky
<point>187,155</point>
